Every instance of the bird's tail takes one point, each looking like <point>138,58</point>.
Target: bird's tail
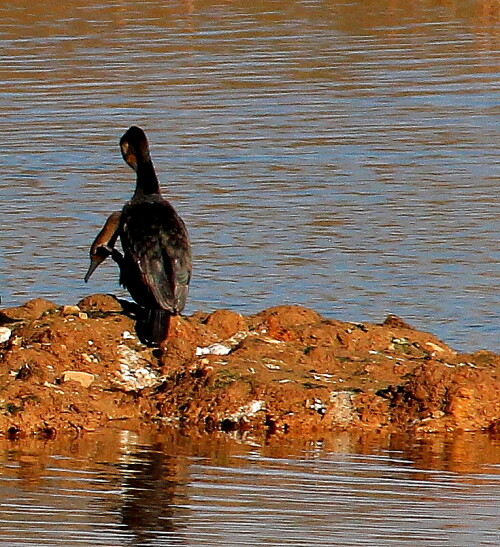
<point>152,328</point>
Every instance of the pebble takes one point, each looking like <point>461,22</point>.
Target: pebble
<point>5,334</point>
<point>70,310</point>
<point>83,378</point>
<point>434,347</point>
<point>223,349</point>
<point>214,349</point>
<point>89,358</point>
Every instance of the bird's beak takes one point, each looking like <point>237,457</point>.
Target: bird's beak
<point>94,262</point>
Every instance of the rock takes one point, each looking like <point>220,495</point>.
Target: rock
<point>85,379</point>
<point>5,334</point>
<point>213,349</point>
<point>247,411</point>
<point>291,316</point>
<point>70,310</point>
<point>135,370</point>
<point>178,354</point>
<point>341,409</point>
<point>279,322</point>
<point>435,347</point>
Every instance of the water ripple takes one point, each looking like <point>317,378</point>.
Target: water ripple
<point>342,156</point>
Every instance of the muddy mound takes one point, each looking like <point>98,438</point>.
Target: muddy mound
<point>286,369</point>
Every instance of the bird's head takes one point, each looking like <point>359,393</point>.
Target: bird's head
<point>135,148</point>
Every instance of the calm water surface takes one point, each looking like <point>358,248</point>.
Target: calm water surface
<point>119,489</point>
<point>338,155</point>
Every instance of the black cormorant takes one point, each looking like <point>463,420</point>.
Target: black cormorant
<point>156,263</point>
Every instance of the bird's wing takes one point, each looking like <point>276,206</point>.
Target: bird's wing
<point>169,273</point>
<point>156,240</point>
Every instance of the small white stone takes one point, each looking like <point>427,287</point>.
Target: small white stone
<point>70,310</point>
<point>214,349</point>
<point>126,335</point>
<point>5,334</point>
<point>322,377</point>
<point>255,406</point>
<point>435,347</point>
<point>124,368</point>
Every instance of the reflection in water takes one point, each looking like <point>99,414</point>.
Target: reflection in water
<point>148,492</point>
<point>339,155</point>
<point>167,489</point>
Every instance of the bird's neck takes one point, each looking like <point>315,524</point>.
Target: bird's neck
<point>147,182</point>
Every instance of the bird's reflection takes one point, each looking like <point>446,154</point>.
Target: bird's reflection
<point>149,493</point>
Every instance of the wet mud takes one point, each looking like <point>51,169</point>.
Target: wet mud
<point>284,371</point>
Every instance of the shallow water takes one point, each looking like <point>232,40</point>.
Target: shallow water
<point>118,488</point>
<point>338,155</point>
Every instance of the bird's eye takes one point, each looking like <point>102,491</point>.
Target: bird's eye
<point>125,148</point>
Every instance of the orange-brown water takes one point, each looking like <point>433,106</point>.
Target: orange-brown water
<point>119,489</point>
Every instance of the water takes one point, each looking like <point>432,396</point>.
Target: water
<point>337,155</point>
<point>119,488</point>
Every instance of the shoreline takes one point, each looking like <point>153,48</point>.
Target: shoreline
<point>286,370</point>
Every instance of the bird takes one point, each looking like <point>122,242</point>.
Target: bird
<point>155,263</point>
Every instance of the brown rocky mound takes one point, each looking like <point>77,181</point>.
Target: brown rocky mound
<point>284,370</point>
